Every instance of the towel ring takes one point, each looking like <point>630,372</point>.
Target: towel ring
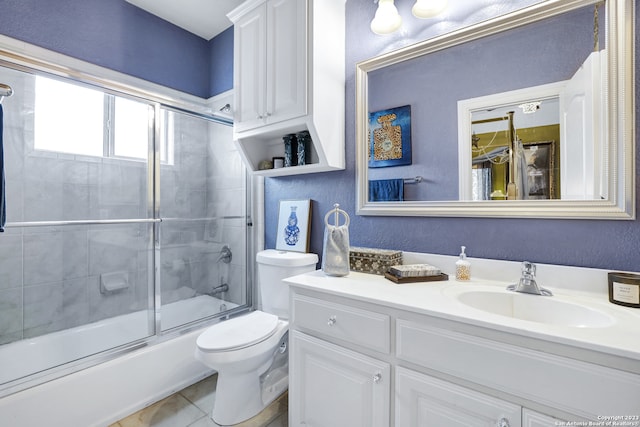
<point>337,212</point>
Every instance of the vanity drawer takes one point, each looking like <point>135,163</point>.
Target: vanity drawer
<point>359,327</point>
<point>573,386</point>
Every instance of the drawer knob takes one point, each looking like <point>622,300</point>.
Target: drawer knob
<point>503,422</point>
<point>331,321</point>
<point>377,377</point>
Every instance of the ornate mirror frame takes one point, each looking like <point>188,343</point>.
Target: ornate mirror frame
<point>620,110</point>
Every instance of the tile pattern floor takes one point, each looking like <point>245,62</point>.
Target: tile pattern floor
<point>192,407</point>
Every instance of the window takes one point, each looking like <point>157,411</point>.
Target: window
<point>79,120</point>
<point>130,129</point>
<point>68,118</point>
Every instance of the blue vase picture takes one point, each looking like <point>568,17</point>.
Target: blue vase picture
<point>291,231</point>
<point>294,224</point>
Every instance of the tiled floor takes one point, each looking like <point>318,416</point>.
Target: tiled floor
<point>192,407</point>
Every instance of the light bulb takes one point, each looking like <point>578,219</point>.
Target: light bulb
<point>428,8</point>
<point>387,19</point>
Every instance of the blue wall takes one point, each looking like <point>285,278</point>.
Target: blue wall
<point>588,243</point>
<point>221,62</point>
<point>117,35</point>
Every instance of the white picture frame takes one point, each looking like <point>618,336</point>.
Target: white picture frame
<point>294,224</point>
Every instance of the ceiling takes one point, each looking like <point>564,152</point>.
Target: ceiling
<point>204,18</point>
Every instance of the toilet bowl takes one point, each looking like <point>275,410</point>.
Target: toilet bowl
<point>250,351</point>
<point>241,359</point>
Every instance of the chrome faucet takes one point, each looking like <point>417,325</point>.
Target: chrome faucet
<point>225,255</point>
<point>527,283</point>
<point>218,289</point>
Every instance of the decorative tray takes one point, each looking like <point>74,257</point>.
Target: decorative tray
<point>415,279</point>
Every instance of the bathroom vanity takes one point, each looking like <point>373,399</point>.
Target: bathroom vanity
<point>368,352</point>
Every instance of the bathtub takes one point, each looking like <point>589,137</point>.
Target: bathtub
<point>102,394</point>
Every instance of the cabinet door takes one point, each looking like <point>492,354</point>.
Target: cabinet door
<point>250,68</point>
<point>429,402</point>
<point>286,95</point>
<point>331,386</point>
<point>534,419</point>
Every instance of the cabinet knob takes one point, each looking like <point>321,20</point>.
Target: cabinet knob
<point>377,377</point>
<point>260,116</point>
<point>503,422</point>
<point>331,321</point>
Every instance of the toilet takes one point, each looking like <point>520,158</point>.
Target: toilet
<point>250,351</point>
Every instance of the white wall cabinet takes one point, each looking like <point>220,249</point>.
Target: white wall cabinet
<point>270,64</point>
<point>343,349</point>
<point>288,78</point>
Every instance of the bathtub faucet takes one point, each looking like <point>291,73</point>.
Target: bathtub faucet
<point>527,283</point>
<point>219,289</point>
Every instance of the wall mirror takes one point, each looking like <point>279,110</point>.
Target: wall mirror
<point>530,114</point>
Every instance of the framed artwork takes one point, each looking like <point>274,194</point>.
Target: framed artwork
<point>390,137</point>
<point>294,223</point>
<point>541,165</point>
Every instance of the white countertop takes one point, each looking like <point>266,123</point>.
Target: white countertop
<point>438,299</point>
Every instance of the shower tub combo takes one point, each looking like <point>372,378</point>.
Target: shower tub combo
<point>111,390</point>
<point>114,260</point>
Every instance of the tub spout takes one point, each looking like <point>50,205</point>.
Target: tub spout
<point>219,289</point>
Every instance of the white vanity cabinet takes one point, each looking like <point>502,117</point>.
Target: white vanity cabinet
<point>288,78</point>
<point>534,419</point>
<point>444,372</point>
<point>331,385</point>
<point>422,400</point>
<point>334,386</point>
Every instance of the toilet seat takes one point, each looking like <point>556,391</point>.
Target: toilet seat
<point>239,332</point>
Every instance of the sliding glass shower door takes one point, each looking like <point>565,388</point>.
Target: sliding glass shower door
<point>203,229</point>
<point>126,218</point>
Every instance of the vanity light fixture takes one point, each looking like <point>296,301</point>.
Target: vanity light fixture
<point>387,19</point>
<point>424,9</point>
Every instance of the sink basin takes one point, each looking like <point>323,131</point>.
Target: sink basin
<point>534,308</point>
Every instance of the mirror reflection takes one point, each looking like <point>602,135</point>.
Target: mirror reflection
<point>514,150</point>
<point>514,115</point>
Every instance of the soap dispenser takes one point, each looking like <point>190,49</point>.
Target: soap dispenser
<point>463,267</point>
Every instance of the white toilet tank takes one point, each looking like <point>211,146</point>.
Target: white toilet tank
<point>273,267</point>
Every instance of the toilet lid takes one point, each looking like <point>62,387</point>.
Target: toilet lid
<point>241,331</point>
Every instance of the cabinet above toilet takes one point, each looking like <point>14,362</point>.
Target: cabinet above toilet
<point>289,78</point>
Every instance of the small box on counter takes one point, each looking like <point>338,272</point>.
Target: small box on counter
<point>373,261</point>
